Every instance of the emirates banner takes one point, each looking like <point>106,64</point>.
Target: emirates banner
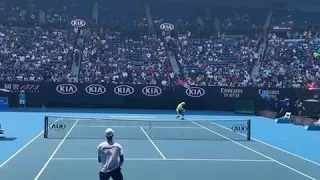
<point>78,95</point>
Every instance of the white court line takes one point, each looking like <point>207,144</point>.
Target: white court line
<point>25,146</point>
<point>154,145</point>
<point>21,149</point>
<point>262,142</point>
<point>154,127</point>
<point>142,117</point>
<point>55,151</point>
<point>96,159</point>
<point>257,152</point>
<point>116,119</point>
<point>173,159</point>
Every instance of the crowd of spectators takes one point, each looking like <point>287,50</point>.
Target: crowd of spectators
<point>217,61</point>
<point>42,53</point>
<point>61,13</point>
<point>292,57</point>
<point>114,60</point>
<point>290,62</point>
<point>242,19</point>
<point>34,54</point>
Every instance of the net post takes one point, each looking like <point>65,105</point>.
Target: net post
<point>45,134</point>
<point>150,134</point>
<point>249,130</point>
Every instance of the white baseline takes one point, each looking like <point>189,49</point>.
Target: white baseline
<point>170,159</point>
<point>133,126</point>
<point>262,142</point>
<point>135,117</point>
<point>257,152</point>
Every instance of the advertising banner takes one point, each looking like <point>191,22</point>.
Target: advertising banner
<point>281,27</point>
<point>86,95</point>
<point>4,103</point>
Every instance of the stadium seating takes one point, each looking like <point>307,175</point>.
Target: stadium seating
<point>217,61</point>
<point>112,59</point>
<point>63,12</point>
<point>124,44</point>
<point>185,20</point>
<point>119,17</point>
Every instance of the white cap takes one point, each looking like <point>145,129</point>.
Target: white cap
<point>109,132</point>
<point>183,103</point>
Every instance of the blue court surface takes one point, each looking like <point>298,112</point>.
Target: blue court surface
<point>157,147</point>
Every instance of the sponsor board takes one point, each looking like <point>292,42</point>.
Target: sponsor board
<point>195,92</point>
<point>281,28</point>
<point>95,89</point>
<point>4,90</point>
<point>268,93</point>
<point>13,87</point>
<point>78,23</point>
<point>57,126</point>
<point>66,89</point>
<point>4,100</point>
<point>231,92</point>
<point>4,103</point>
<point>123,90</point>
<point>167,27</point>
<point>152,91</point>
<point>240,128</point>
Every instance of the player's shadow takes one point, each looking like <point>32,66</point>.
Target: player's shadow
<point>7,138</point>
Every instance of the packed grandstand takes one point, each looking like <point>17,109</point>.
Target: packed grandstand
<point>106,42</point>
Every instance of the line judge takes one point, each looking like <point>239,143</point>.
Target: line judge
<point>110,155</point>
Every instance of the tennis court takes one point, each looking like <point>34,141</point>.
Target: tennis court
<point>157,148</point>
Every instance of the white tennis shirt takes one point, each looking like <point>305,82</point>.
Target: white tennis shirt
<point>110,156</point>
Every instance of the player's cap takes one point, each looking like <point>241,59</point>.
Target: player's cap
<point>183,103</point>
<point>109,132</point>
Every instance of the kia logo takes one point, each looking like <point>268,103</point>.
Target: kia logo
<point>195,92</point>
<point>95,89</point>
<point>151,91</point>
<point>240,128</point>
<point>66,89</point>
<point>124,90</point>
<point>57,126</point>
<point>78,23</point>
<point>167,27</point>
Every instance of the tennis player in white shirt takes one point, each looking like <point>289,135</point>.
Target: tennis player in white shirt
<point>110,155</point>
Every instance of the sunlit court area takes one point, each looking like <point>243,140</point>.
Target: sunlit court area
<point>155,146</point>
<point>159,90</point>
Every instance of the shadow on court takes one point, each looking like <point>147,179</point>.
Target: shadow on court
<point>7,138</point>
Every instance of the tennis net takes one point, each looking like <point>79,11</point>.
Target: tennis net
<point>93,128</point>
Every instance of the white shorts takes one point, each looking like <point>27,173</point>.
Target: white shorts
<point>22,102</point>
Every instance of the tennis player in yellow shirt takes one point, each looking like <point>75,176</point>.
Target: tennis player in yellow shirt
<point>180,110</point>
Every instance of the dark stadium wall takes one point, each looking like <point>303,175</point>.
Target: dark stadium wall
<point>60,95</point>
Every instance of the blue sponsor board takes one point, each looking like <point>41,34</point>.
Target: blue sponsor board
<point>4,103</point>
